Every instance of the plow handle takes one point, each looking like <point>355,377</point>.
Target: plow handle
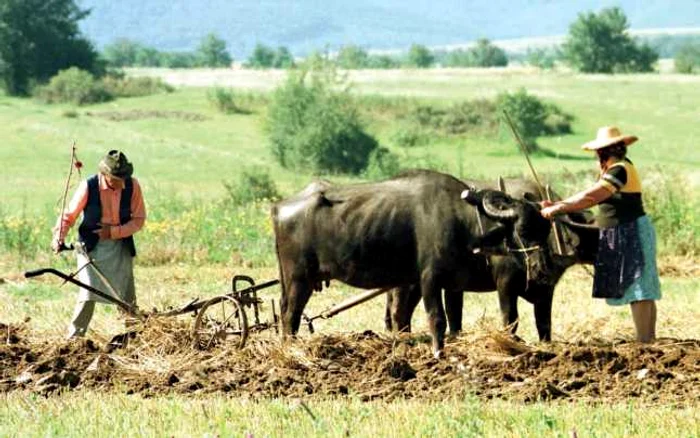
<point>36,272</point>
<point>131,310</point>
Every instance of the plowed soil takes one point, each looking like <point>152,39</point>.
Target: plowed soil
<point>159,359</point>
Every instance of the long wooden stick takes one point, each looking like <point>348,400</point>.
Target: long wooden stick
<point>544,193</point>
<point>523,148</point>
<point>65,191</point>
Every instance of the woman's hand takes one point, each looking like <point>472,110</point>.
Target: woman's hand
<point>551,210</point>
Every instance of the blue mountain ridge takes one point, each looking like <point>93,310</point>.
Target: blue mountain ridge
<point>306,25</point>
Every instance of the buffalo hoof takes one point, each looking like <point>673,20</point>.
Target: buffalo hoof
<point>438,354</point>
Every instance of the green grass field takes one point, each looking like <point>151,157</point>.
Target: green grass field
<point>194,242</point>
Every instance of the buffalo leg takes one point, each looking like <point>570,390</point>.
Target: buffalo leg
<point>390,299</point>
<point>543,312</point>
<point>508,301</point>
<point>292,303</point>
<point>401,303</point>
<point>454,301</point>
<point>432,301</point>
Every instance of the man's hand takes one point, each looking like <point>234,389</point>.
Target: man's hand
<point>546,203</point>
<point>104,231</point>
<point>56,245</point>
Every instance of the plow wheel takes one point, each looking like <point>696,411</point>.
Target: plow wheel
<point>221,319</point>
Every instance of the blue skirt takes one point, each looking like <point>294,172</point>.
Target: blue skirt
<point>625,269</point>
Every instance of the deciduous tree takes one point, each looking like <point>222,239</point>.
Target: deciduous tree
<point>599,43</point>
<point>212,52</point>
<point>40,37</point>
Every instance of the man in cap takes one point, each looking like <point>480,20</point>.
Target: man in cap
<point>113,210</point>
<point>625,268</point>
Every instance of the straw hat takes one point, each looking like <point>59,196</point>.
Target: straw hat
<point>608,136</point>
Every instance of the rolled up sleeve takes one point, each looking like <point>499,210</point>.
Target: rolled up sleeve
<point>68,217</point>
<point>138,215</point>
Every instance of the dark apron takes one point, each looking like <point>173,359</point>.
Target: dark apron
<point>620,260</point>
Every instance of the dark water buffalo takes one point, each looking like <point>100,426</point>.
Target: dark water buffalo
<point>507,272</point>
<point>413,229</point>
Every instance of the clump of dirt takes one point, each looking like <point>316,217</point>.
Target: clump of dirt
<point>159,358</point>
<point>122,116</point>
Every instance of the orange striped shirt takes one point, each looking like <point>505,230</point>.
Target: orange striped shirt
<point>110,198</point>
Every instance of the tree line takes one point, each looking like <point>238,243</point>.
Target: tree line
<point>39,38</point>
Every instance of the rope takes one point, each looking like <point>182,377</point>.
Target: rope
<point>527,259</point>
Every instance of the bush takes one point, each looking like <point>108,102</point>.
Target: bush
<point>468,116</point>
<point>253,184</point>
<point>224,100</point>
<point>212,52</point>
<point>382,62</point>
<point>74,86</point>
<point>352,57</point>
<point>119,86</point>
<point>458,118</point>
<point>382,164</point>
<point>533,118</point>
<point>541,58</point>
<point>313,125</point>
<point>675,211</point>
<point>687,60</point>
<point>556,121</point>
<point>419,56</point>
<point>407,136</point>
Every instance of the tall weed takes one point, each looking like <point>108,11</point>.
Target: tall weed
<point>674,207</point>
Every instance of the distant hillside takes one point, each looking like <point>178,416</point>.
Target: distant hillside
<point>304,25</point>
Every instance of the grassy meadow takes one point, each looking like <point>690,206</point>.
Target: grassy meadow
<point>184,151</point>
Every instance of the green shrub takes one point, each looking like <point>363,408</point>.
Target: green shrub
<point>687,60</point>
<point>483,54</point>
<point>459,118</point>
<point>252,185</point>
<point>468,116</point>
<point>532,117</point>
<point>70,114</point>
<point>556,121</point>
<point>407,136</point>
<point>419,56</point>
<point>120,86</point>
<point>382,164</point>
<point>224,100</point>
<point>74,86</point>
<point>314,124</point>
<point>544,59</point>
<point>675,211</point>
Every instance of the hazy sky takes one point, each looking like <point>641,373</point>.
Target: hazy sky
<point>303,25</point>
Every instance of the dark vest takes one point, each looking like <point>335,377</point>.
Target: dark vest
<point>92,214</point>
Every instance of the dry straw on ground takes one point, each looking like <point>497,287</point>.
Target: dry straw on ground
<point>487,362</point>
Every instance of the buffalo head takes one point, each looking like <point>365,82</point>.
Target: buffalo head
<point>524,233</point>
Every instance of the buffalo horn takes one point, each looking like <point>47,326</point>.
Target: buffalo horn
<point>501,184</point>
<point>491,208</point>
<point>470,196</point>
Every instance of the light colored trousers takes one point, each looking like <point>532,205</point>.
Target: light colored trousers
<point>113,258</point>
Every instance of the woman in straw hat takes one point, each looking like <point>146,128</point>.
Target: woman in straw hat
<point>113,210</point>
<point>625,269</point>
